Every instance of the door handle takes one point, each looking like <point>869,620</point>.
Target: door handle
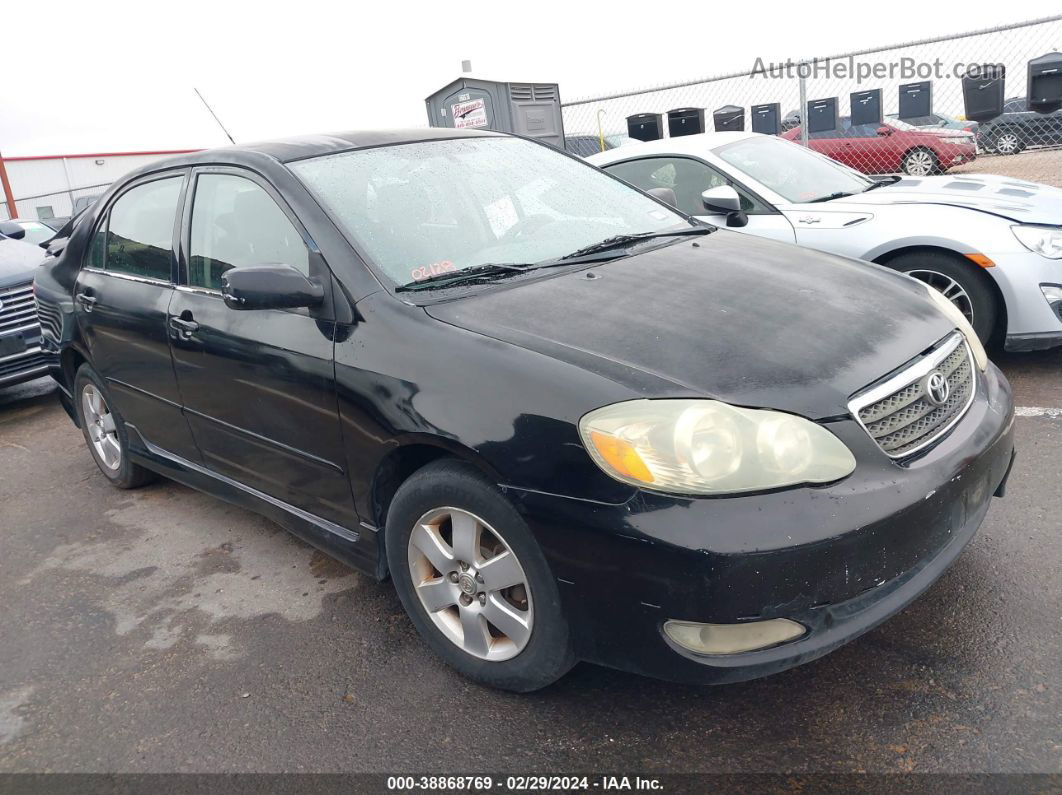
<point>184,328</point>
<point>87,301</point>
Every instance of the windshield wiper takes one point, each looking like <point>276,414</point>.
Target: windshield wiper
<point>484,272</point>
<point>619,241</point>
<point>838,195</point>
<point>890,180</point>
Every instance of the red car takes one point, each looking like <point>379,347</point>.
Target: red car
<point>891,147</point>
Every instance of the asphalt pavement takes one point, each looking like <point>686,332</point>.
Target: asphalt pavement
<point>161,630</point>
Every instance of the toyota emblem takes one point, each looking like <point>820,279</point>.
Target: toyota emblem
<point>937,388</point>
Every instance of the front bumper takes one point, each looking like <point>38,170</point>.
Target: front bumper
<point>1031,322</point>
<point>26,364</point>
<point>839,559</point>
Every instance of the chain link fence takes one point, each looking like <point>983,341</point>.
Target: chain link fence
<point>55,207</point>
<point>1020,143</point>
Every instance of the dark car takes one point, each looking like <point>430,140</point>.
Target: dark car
<point>20,353</point>
<point>567,421</point>
<point>1018,127</point>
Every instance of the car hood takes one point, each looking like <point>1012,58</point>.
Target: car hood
<point>18,260</point>
<point>1025,202</point>
<point>750,321</point>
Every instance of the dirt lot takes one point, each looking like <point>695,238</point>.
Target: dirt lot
<point>1036,165</point>
<point>162,630</point>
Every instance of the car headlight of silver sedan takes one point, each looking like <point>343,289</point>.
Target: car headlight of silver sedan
<point>1044,240</point>
<point>706,447</point>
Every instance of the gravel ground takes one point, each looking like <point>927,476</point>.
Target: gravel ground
<point>1035,165</point>
<point>162,630</point>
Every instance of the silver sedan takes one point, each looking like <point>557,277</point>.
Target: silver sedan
<point>992,245</point>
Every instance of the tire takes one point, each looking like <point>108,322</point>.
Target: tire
<point>949,274</point>
<point>1008,142</point>
<point>105,432</point>
<point>450,494</point>
<point>920,162</point>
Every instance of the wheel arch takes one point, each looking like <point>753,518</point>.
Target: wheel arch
<point>70,359</point>
<point>955,251</point>
<point>413,453</point>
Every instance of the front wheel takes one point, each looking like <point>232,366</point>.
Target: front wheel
<point>959,282</point>
<point>474,581</point>
<point>1009,143</point>
<point>920,163</point>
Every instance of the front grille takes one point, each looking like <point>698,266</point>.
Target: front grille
<point>17,309</point>
<point>22,364</point>
<point>899,414</point>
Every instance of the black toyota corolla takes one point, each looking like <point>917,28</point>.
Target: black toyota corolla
<point>566,421</point>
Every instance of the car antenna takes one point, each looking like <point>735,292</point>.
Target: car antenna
<point>212,113</point>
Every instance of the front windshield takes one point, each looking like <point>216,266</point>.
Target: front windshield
<point>790,170</point>
<point>418,210</point>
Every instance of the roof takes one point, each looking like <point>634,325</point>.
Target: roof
<point>684,144</point>
<point>296,148</point>
<point>157,152</point>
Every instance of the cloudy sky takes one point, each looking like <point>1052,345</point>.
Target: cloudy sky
<point>113,76</point>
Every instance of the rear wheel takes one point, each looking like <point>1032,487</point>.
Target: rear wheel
<point>474,581</point>
<point>920,163</point>
<point>105,431</point>
<point>961,283</point>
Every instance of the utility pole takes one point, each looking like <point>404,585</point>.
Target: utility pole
<point>12,212</point>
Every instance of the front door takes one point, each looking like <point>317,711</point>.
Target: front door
<point>121,299</point>
<point>258,385</point>
<point>689,178</point>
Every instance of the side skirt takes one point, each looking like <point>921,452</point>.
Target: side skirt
<point>356,548</point>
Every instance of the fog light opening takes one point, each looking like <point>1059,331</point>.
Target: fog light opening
<point>1053,295</point>
<point>733,638</point>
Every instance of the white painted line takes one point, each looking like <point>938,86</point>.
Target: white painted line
<point>1036,411</point>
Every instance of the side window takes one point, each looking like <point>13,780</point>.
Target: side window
<point>97,247</point>
<point>140,230</point>
<point>862,131</point>
<point>235,223</point>
<point>688,178</point>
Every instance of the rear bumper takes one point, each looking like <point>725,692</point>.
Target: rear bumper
<point>838,559</point>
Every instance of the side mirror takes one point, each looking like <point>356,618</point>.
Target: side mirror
<point>12,230</point>
<point>666,195</point>
<point>269,287</point>
<point>721,200</point>
<point>885,130</point>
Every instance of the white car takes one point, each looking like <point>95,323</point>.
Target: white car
<point>992,245</point>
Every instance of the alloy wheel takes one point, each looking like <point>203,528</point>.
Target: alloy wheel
<point>919,163</point>
<point>1007,144</point>
<point>99,423</point>
<point>949,288</point>
<point>471,584</point>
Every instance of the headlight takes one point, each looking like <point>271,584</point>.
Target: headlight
<point>961,323</point>
<point>1044,240</point>
<point>709,447</point>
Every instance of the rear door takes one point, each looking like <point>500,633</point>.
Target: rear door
<point>258,386</point>
<point>121,298</point>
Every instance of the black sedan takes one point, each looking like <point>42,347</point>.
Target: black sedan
<point>566,421</point>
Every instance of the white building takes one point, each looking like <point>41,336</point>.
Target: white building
<point>47,186</point>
